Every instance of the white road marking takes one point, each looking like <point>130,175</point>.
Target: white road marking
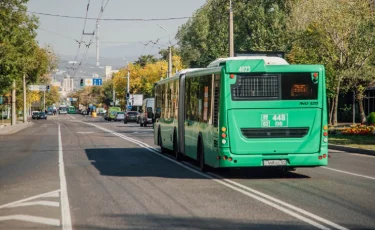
<point>29,198</point>
<point>250,192</point>
<point>360,155</point>
<point>34,219</point>
<point>65,210</point>
<point>55,194</point>
<point>71,116</point>
<point>84,132</point>
<point>41,202</point>
<point>353,174</point>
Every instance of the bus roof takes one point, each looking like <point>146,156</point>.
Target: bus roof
<point>267,60</point>
<point>186,71</point>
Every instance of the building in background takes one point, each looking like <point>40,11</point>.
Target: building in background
<point>67,84</point>
<point>109,72</point>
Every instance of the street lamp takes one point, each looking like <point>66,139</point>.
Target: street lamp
<point>170,53</point>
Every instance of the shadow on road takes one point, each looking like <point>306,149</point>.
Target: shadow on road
<point>137,162</point>
<point>163,222</point>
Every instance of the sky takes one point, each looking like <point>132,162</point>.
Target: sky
<point>117,38</point>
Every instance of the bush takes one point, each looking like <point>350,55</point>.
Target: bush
<point>371,119</point>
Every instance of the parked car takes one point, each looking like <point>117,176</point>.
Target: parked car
<point>147,112</point>
<point>131,116</point>
<point>112,111</point>
<point>119,116</point>
<point>50,112</point>
<point>42,115</point>
<point>35,115</point>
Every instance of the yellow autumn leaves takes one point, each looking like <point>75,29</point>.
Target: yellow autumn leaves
<point>142,78</point>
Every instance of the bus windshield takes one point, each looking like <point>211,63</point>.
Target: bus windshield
<point>284,86</point>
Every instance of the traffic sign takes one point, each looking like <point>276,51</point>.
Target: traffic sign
<point>136,99</point>
<point>130,107</point>
<point>88,82</point>
<point>37,87</point>
<point>97,81</point>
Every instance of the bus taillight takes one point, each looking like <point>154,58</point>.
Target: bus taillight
<point>232,76</point>
<point>325,134</point>
<point>224,135</point>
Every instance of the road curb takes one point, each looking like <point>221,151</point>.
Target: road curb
<point>15,128</point>
<point>351,149</point>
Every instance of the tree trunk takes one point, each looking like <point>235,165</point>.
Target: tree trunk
<point>361,111</point>
<point>359,98</point>
<point>335,108</point>
<point>331,109</point>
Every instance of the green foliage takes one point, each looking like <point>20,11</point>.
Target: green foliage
<point>371,119</point>
<point>19,51</point>
<point>145,59</point>
<point>259,25</point>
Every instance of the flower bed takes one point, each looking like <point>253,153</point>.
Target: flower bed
<point>359,130</point>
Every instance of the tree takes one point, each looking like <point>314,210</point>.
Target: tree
<point>143,77</point>
<point>17,41</point>
<point>259,25</point>
<point>145,59</point>
<point>341,44</point>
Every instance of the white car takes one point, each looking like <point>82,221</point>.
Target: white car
<point>120,116</point>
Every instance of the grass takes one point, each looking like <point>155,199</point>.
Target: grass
<point>362,142</point>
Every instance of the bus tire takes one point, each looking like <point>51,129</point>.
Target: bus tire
<point>176,151</point>
<point>201,159</point>
<point>160,142</point>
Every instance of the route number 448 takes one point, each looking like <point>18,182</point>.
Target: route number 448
<point>279,117</point>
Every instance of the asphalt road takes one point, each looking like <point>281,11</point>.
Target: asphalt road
<point>111,176</point>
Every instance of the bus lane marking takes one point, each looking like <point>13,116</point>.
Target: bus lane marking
<point>257,195</point>
<point>353,174</point>
<point>65,209</point>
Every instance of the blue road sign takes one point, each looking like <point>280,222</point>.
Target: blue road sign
<point>130,107</point>
<point>97,81</point>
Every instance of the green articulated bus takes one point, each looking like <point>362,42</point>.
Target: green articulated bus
<point>71,110</point>
<point>245,112</point>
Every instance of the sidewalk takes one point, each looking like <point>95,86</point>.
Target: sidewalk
<point>9,129</point>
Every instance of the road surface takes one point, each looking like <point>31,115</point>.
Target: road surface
<point>76,172</point>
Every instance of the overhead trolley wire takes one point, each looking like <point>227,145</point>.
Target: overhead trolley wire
<point>109,19</point>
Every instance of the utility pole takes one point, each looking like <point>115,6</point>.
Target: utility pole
<point>114,95</point>
<point>170,54</point>
<point>44,100</point>
<point>128,85</point>
<point>170,61</point>
<point>24,99</point>
<point>231,42</point>
<point>14,113</point>
<point>97,43</point>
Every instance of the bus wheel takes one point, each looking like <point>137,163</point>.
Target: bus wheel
<point>176,151</point>
<point>202,165</point>
<point>160,142</point>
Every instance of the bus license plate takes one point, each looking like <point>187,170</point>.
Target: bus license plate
<point>274,162</point>
<point>274,120</point>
